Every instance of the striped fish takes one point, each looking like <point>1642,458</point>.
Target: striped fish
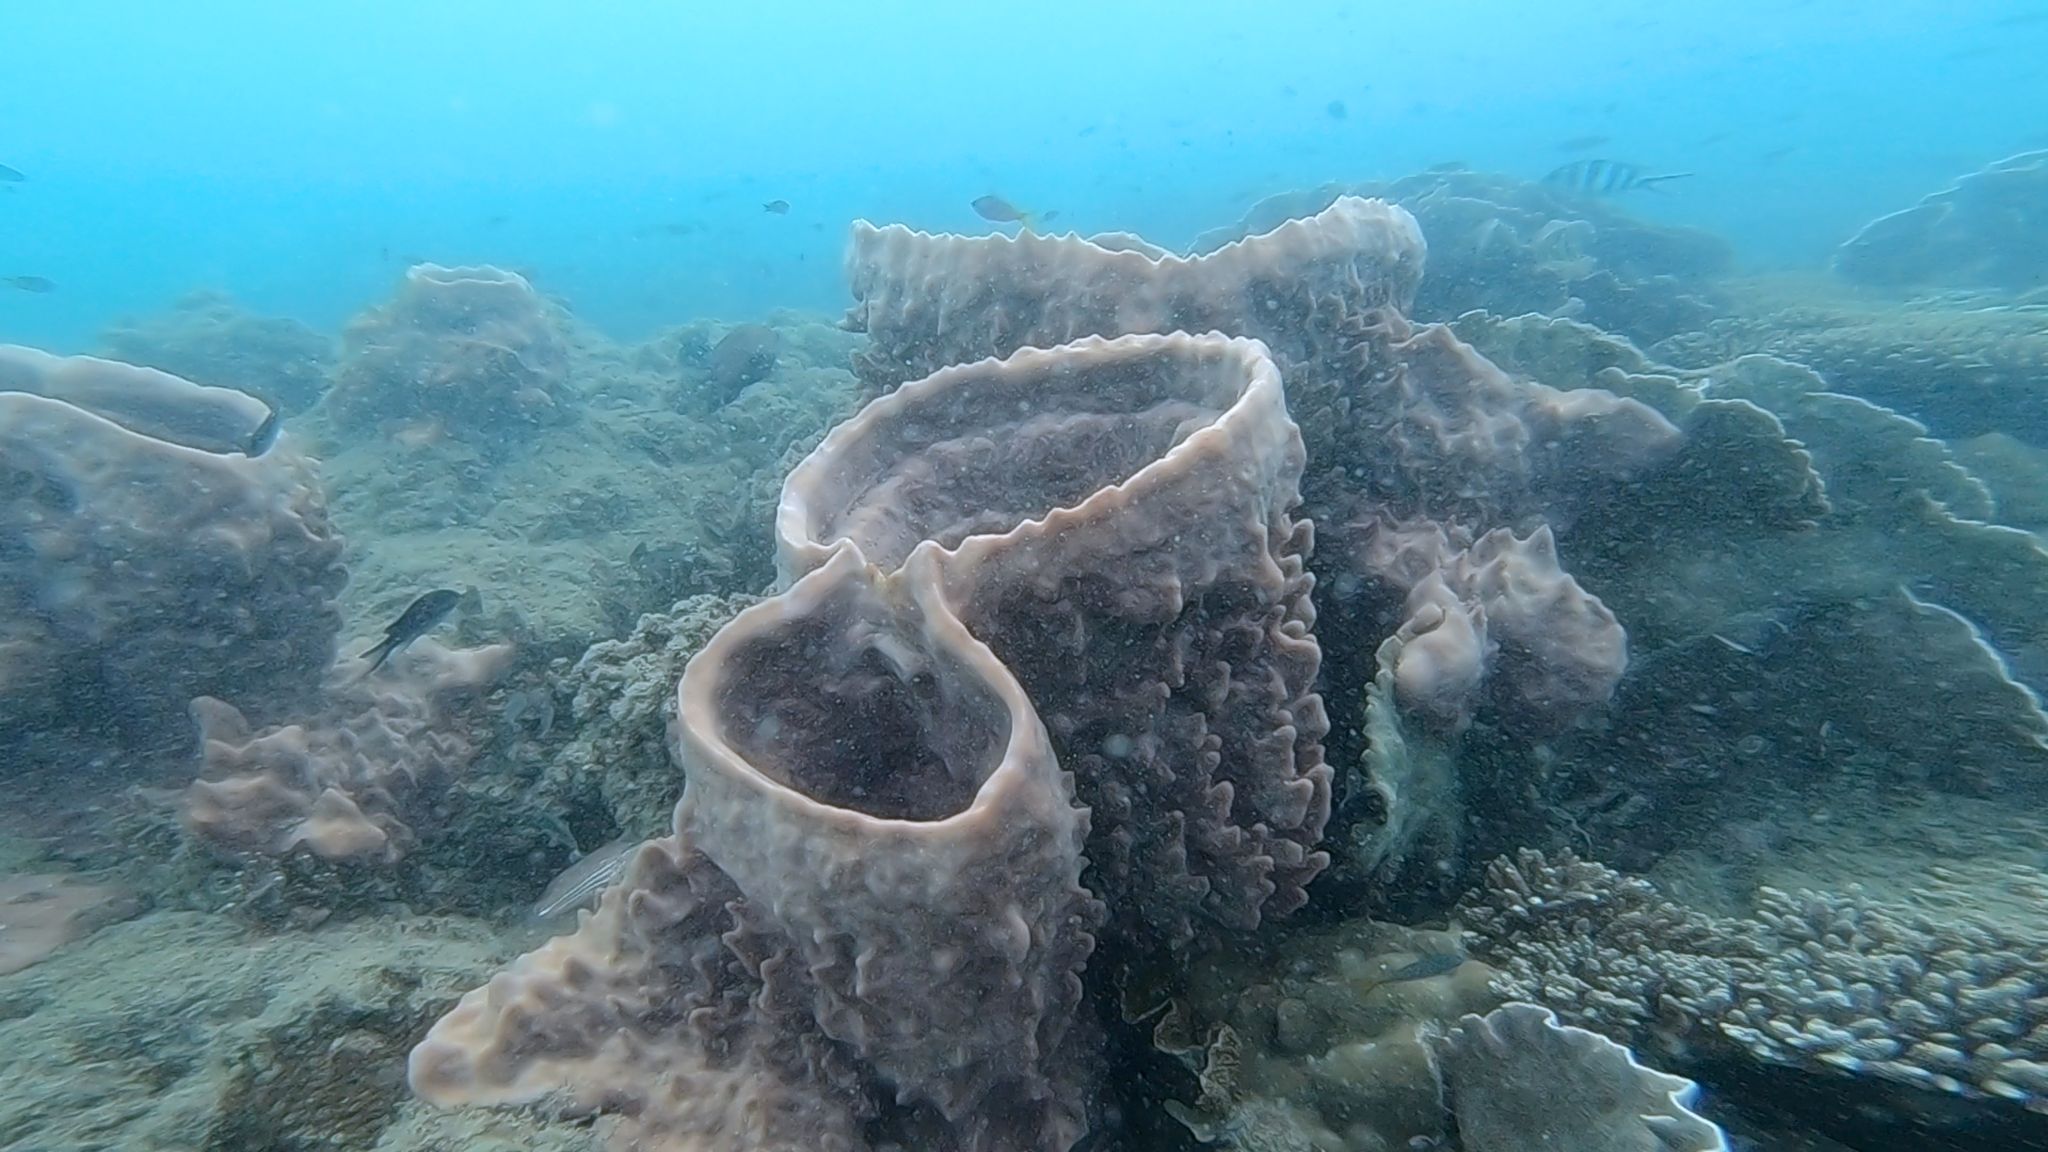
<point>583,882</point>
<point>1605,178</point>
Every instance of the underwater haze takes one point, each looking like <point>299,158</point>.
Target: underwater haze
<point>630,577</point>
<point>298,156</point>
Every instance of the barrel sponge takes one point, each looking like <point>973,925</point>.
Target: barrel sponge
<point>476,348</point>
<point>351,778</point>
<point>927,301</point>
<point>1114,518</point>
<point>874,879</point>
<point>161,548</point>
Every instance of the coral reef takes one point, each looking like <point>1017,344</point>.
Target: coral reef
<point>185,1031</point>
<point>1786,598</point>
<point>351,782</point>
<point>1985,230</point>
<point>209,337</point>
<point>1365,1036</point>
<point>473,352</point>
<point>1401,422</point>
<point>1320,1038</point>
<point>618,765</point>
<point>638,503</point>
<point>1964,367</point>
<point>1518,1079</point>
<point>1834,985</point>
<point>1062,503</point>
<point>1511,246</point>
<point>160,548</point>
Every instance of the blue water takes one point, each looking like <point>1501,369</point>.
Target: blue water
<point>298,155</point>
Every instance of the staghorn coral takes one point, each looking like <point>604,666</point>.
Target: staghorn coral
<point>1985,230</point>
<point>1115,519</point>
<point>473,352</point>
<point>153,558</point>
<point>350,783</point>
<point>1835,985</point>
<point>903,907</point>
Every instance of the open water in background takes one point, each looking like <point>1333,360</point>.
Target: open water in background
<point>297,155</point>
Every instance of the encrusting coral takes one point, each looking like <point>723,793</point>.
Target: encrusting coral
<point>349,782</point>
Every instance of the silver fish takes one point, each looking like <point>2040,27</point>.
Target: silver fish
<point>580,883</point>
<point>1605,178</point>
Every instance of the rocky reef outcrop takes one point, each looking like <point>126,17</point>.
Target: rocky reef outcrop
<point>1987,230</point>
<point>856,729</point>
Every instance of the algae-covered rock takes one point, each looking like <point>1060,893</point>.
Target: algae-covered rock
<point>182,1031</point>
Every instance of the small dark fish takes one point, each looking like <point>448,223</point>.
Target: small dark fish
<point>1605,178</point>
<point>31,283</point>
<point>1446,167</point>
<point>1777,154</point>
<point>1001,211</point>
<point>1581,143</point>
<point>1049,217</point>
<point>1336,110</point>
<point>10,175</point>
<point>416,621</point>
<point>264,436</point>
<point>1426,966</point>
<point>776,207</point>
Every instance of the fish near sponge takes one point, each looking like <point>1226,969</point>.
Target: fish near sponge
<point>1067,578</point>
<point>162,547</point>
<point>905,904</point>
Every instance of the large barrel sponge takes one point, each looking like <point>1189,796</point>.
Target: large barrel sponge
<point>1115,519</point>
<point>874,880</point>
<point>927,301</point>
<point>475,349</point>
<point>157,547</point>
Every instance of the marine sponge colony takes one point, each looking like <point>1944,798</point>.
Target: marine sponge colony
<point>1139,636</point>
<point>1037,698</point>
